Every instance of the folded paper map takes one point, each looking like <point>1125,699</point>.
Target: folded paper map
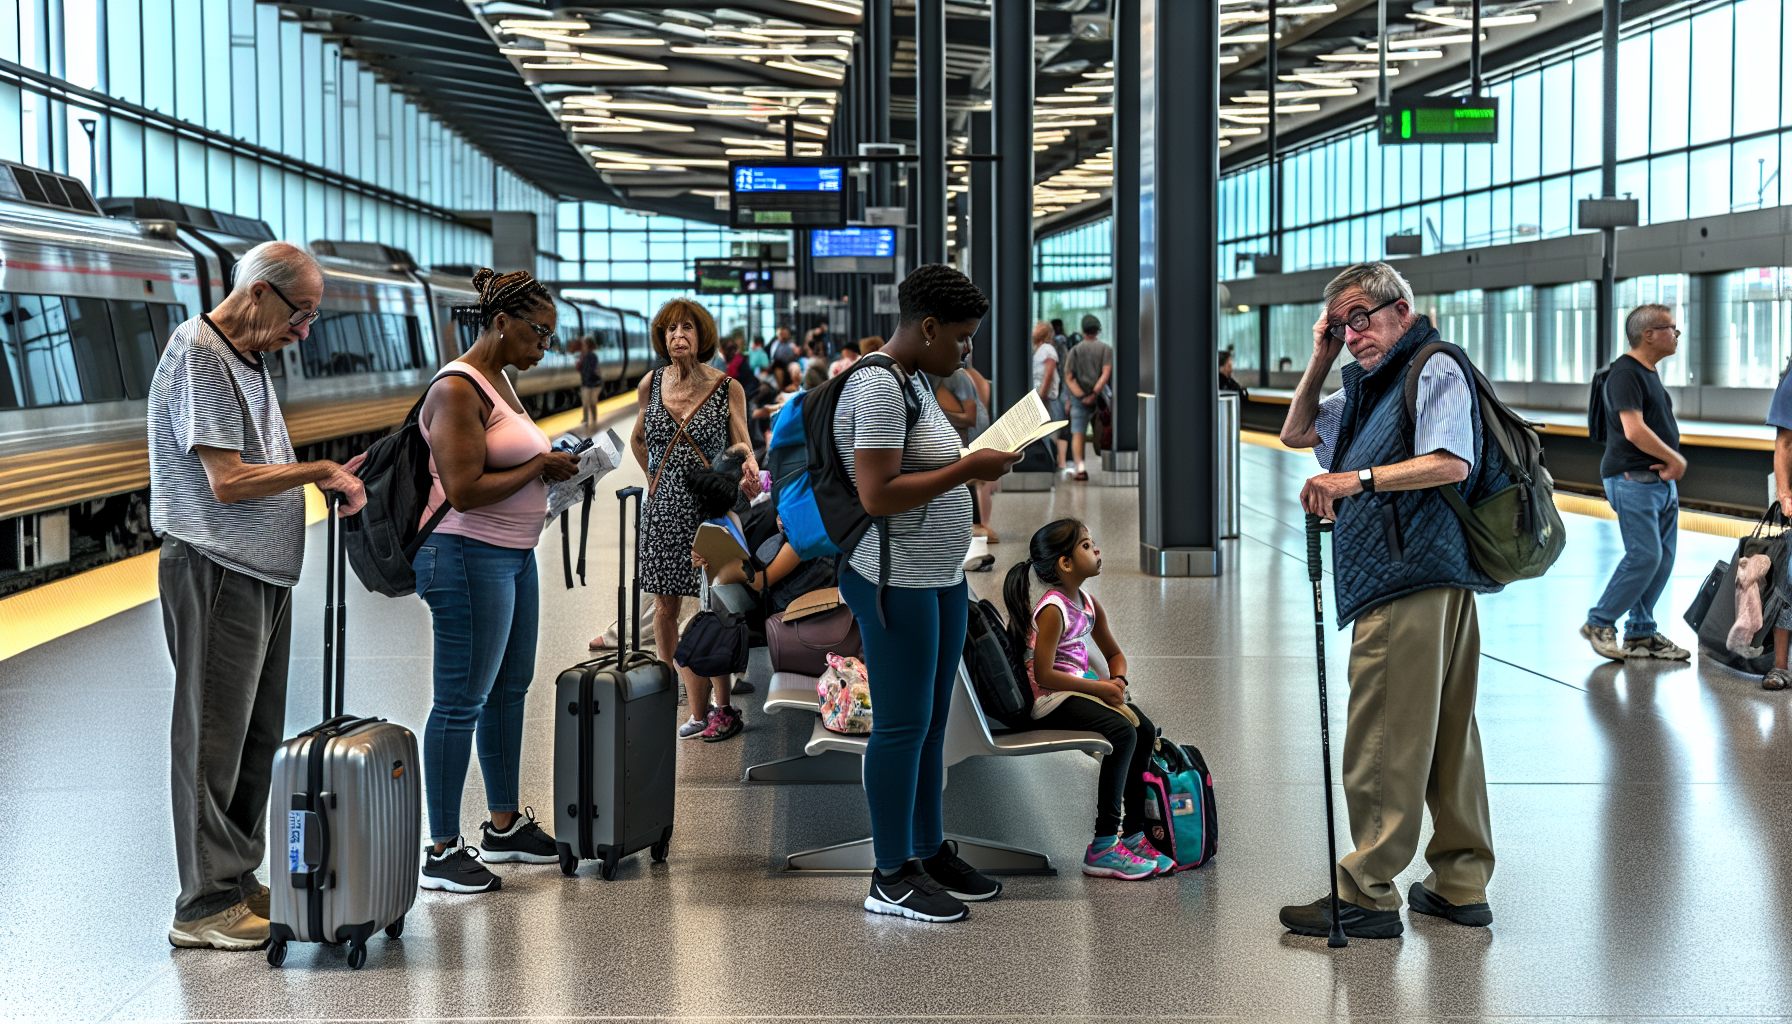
<point>1025,421</point>
<point>604,455</point>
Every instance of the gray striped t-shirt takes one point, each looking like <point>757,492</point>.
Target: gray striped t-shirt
<point>927,544</point>
<point>205,392</point>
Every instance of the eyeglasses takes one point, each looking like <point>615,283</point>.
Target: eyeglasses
<point>299,317</point>
<point>1666,327</point>
<point>542,331</point>
<point>1357,320</point>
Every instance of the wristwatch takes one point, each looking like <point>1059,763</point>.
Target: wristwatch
<point>1367,479</point>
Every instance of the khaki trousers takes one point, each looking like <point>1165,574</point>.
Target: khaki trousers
<point>1412,742</point>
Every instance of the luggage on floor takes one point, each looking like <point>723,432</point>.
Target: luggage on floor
<point>615,724</point>
<point>1720,616</point>
<point>1701,602</point>
<point>348,800</point>
<point>1179,806</point>
<point>997,675</point>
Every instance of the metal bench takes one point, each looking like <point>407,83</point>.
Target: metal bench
<point>789,691</point>
<point>968,734</point>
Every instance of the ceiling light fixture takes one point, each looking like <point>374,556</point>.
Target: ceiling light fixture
<point>609,63</point>
<point>765,51</point>
<point>1486,22</point>
<point>513,24</point>
<point>807,69</point>
<point>1371,58</point>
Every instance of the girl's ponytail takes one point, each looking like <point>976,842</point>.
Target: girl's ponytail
<point>1017,596</point>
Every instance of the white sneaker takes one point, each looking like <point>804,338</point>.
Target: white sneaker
<point>1066,472</point>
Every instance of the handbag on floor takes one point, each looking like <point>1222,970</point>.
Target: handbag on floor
<point>1768,538</point>
<point>845,695</point>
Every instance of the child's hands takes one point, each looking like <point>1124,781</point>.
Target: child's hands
<point>1111,691</point>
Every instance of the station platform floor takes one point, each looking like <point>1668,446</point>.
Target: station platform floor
<point>1639,812</point>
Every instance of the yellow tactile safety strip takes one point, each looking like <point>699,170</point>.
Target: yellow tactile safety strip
<point>1578,504</point>
<point>58,608</point>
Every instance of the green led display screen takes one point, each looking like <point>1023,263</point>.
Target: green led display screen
<point>1443,119</point>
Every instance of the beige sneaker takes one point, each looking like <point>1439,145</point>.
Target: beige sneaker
<point>235,928</point>
<point>258,902</point>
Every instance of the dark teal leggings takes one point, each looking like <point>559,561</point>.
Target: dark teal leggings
<point>911,667</point>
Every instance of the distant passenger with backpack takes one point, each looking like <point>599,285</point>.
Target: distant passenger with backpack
<point>905,584</point>
<point>476,571</point>
<point>1641,466</point>
<point>1407,580</point>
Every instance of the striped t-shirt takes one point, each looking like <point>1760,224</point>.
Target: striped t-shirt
<point>205,392</point>
<point>927,544</point>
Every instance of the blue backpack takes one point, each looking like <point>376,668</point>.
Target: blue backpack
<point>817,499</point>
<point>1179,805</point>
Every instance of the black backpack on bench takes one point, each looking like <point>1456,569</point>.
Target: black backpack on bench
<point>997,675</point>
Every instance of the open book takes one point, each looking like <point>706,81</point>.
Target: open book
<point>1025,421</point>
<point>718,548</point>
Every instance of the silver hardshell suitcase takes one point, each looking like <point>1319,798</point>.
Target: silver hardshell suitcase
<point>347,801</point>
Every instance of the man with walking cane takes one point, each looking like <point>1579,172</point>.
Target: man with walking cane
<point>1406,580</point>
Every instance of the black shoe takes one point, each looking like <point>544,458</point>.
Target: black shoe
<point>961,880</point>
<point>742,686</point>
<point>1424,901</point>
<point>524,841</point>
<point>912,893</point>
<point>456,869</point>
<point>1315,918</point>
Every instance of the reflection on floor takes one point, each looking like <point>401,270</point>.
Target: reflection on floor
<point>1638,810</point>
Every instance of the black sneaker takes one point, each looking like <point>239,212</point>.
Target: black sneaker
<point>524,841</point>
<point>742,685</point>
<point>961,880</point>
<point>456,869</point>
<point>1424,901</point>
<point>1315,918</point>
<point>912,893</point>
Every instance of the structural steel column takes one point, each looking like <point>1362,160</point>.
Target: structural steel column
<point>1178,295</point>
<point>1605,321</point>
<point>1012,49</point>
<point>980,227</point>
<point>930,125</point>
<point>879,43</point>
<point>1126,233</point>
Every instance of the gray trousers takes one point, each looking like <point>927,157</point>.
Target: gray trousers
<point>231,636</point>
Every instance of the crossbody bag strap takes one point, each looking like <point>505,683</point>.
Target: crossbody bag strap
<point>684,434</point>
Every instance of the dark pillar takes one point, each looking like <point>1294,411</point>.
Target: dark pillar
<point>980,234</point>
<point>1012,48</point>
<point>878,41</point>
<point>1270,73</point>
<point>1605,321</point>
<point>930,125</point>
<point>1126,234</point>
<point>1178,285</point>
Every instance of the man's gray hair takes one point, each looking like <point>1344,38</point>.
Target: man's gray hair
<point>281,264</point>
<point>1379,281</point>
<point>1643,317</point>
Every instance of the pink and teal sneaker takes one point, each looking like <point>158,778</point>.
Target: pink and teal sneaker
<point>1142,848</point>
<point>1114,860</point>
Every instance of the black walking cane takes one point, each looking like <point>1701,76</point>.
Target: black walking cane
<point>1315,570</point>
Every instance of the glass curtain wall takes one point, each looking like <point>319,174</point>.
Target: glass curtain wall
<point>246,70</point>
<point>634,260</point>
<point>1707,135</point>
<point>1080,263</point>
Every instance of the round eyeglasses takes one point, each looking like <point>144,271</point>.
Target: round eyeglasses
<point>1357,320</point>
<point>299,317</point>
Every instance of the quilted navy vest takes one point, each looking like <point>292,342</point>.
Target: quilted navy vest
<point>1390,544</point>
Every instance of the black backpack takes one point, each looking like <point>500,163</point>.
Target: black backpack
<point>384,536</point>
<point>996,672</point>
<point>1596,407</point>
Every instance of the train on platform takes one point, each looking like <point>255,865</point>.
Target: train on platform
<point>89,292</point>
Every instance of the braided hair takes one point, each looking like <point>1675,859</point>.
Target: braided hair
<point>941,292</point>
<point>1051,542</point>
<point>514,293</point>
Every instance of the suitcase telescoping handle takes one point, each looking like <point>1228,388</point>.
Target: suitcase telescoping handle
<point>622,579</point>
<point>335,611</point>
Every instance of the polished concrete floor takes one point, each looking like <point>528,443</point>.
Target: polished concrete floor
<point>1638,812</point>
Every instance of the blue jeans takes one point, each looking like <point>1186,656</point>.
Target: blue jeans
<point>911,667</point>
<point>1649,522</point>
<point>486,605</point>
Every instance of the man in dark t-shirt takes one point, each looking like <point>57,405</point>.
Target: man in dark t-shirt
<point>1642,462</point>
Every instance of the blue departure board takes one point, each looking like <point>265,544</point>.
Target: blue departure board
<point>774,194</point>
<point>853,242</point>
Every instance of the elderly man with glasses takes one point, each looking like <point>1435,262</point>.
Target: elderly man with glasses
<point>226,498</point>
<point>1406,580</point>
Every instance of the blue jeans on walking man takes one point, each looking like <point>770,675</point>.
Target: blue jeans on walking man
<point>1648,520</point>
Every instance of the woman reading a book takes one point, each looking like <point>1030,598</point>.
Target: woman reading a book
<point>907,587</point>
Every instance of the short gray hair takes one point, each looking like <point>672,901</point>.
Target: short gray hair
<point>281,264</point>
<point>1379,281</point>
<point>1644,317</point>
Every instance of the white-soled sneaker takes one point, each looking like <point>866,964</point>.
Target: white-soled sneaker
<point>523,841</point>
<point>456,869</point>
<point>915,895</point>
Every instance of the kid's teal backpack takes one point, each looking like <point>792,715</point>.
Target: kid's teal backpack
<point>1179,807</point>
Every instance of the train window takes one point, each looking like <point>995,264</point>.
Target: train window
<point>138,345</point>
<point>59,351</point>
<point>345,343</point>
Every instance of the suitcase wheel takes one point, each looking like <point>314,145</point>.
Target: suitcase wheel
<point>569,865</point>
<point>396,928</point>
<point>357,956</point>
<point>608,868</point>
<point>660,849</point>
<point>276,953</point>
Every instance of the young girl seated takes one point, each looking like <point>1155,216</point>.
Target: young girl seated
<point>716,490</point>
<point>1069,694</point>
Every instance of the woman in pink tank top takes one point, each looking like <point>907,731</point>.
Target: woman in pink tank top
<point>476,572</point>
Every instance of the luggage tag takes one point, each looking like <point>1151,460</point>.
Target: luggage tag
<point>303,840</point>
